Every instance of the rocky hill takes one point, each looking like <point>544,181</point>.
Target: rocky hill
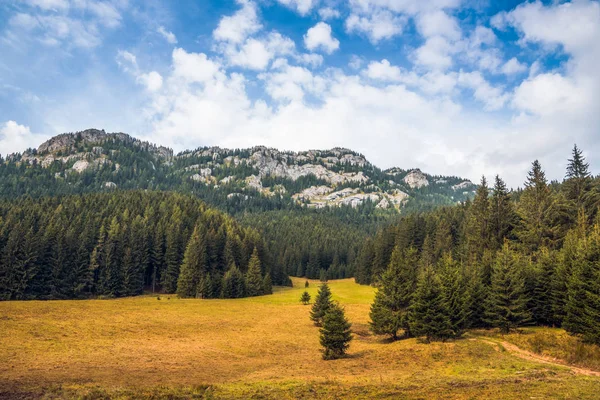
<point>96,160</point>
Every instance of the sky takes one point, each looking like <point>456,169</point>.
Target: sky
<point>453,87</point>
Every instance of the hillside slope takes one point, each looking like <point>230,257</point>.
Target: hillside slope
<point>258,177</point>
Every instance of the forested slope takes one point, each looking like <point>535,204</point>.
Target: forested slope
<point>503,260</point>
<point>120,243</point>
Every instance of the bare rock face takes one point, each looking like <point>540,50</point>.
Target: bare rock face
<point>254,182</point>
<point>110,185</point>
<point>81,166</point>
<point>66,143</point>
<point>415,179</point>
<point>312,192</point>
<point>463,186</point>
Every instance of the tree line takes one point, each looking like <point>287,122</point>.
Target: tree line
<point>122,243</point>
<point>505,259</point>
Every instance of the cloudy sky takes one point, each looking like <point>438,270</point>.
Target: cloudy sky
<point>455,87</point>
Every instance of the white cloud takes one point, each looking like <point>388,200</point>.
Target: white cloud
<point>195,67</point>
<point>438,23</point>
<point>383,71</point>
<point>257,53</point>
<point>436,53</point>
<point>168,35</point>
<point>327,13</point>
<point>319,37</point>
<point>377,26</point>
<point>15,138</point>
<point>492,97</point>
<point>74,23</point>
<point>303,7</point>
<point>513,66</point>
<point>237,27</point>
<point>152,81</point>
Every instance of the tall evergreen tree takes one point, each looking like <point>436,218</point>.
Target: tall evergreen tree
<point>321,305</point>
<point>194,265</point>
<point>502,213</point>
<point>429,312</point>
<point>578,181</point>
<point>335,334</point>
<point>233,283</point>
<point>478,224</point>
<point>455,293</point>
<point>536,209</point>
<point>254,280</point>
<point>389,311</point>
<point>507,304</point>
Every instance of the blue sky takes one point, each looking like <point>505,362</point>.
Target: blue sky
<point>457,87</point>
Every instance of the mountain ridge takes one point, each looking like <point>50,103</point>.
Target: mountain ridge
<point>311,178</point>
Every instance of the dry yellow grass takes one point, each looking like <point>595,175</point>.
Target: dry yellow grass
<point>260,347</point>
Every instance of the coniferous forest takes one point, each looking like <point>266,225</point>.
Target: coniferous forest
<point>122,243</point>
<point>505,260</point>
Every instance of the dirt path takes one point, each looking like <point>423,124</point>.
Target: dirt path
<point>530,356</point>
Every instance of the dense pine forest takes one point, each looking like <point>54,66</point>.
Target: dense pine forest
<point>122,243</point>
<point>503,260</point>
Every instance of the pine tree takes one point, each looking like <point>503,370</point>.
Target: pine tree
<point>502,214</point>
<point>335,334</point>
<point>542,299</point>
<point>476,296</point>
<point>536,209</point>
<point>194,265</point>
<point>429,315</point>
<point>583,296</point>
<point>323,275</point>
<point>254,280</point>
<point>172,259</point>
<point>578,181</point>
<point>110,274</point>
<point>507,303</point>
<point>306,284</point>
<point>321,305</point>
<point>205,288</point>
<point>454,290</point>
<point>233,283</point>
<point>267,285</point>
<point>305,298</point>
<point>478,222</point>
<point>389,311</point>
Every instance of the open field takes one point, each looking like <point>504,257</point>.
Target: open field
<point>262,347</point>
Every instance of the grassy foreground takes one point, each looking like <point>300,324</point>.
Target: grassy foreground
<point>264,347</point>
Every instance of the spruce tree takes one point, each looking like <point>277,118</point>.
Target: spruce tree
<point>507,303</point>
<point>578,181</point>
<point>305,298</point>
<point>389,311</point>
<point>233,283</point>
<point>430,316</point>
<point>194,265</point>
<point>583,296</point>
<point>502,214</point>
<point>478,222</point>
<point>254,280</point>
<point>321,305</point>
<point>536,209</point>
<point>267,284</point>
<point>542,300</point>
<point>335,334</point>
<point>455,293</point>
<point>205,288</point>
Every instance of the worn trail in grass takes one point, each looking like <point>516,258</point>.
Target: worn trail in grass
<point>264,346</point>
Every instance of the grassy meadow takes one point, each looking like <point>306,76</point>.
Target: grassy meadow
<point>263,347</point>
